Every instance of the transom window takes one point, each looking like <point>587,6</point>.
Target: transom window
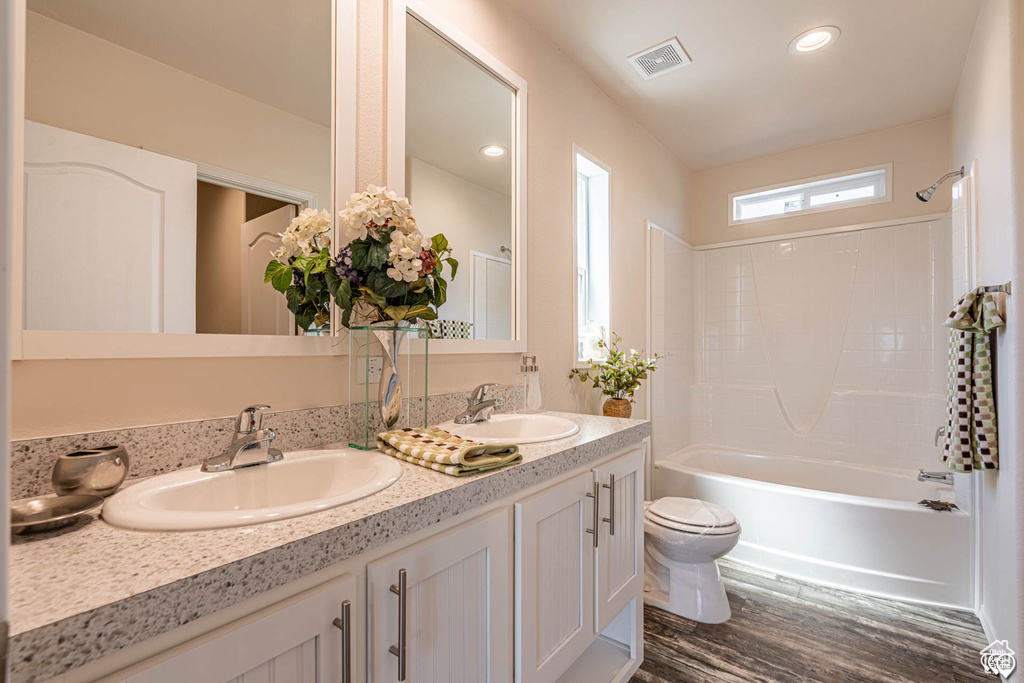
<point>841,191</point>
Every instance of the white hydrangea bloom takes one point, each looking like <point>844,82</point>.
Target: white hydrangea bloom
<point>308,232</point>
<point>404,256</point>
<point>377,209</point>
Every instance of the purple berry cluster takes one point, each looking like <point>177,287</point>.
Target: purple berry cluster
<point>344,267</point>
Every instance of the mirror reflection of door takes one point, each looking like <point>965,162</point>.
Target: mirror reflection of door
<point>264,310</point>
<point>236,233</point>
<point>110,236</point>
<point>491,280</point>
<point>460,149</point>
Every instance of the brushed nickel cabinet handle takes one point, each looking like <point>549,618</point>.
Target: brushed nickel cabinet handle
<point>611,504</point>
<point>344,624</point>
<point>399,649</point>
<point>596,495</point>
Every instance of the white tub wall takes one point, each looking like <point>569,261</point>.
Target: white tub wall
<point>672,317</point>
<point>888,361</point>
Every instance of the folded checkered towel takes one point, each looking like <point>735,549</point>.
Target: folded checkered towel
<point>444,452</point>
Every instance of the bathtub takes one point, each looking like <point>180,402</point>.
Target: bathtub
<point>855,528</point>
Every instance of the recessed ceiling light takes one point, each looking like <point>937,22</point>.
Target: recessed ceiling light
<point>492,150</point>
<point>813,40</point>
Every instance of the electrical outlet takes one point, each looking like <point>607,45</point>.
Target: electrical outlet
<point>371,374</point>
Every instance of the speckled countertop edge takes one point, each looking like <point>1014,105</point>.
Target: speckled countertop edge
<point>92,590</point>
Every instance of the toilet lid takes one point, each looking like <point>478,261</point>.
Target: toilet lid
<point>691,512</point>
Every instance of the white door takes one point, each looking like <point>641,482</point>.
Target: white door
<point>264,309</point>
<point>620,550</point>
<point>456,620</point>
<point>492,296</point>
<point>300,642</point>
<point>87,200</point>
<point>554,579</point>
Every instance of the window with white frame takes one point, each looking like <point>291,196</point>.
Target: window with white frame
<point>593,275</point>
<point>838,191</point>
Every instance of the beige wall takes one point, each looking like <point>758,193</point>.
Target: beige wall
<point>82,83</point>
<point>919,153</point>
<point>565,107</point>
<point>220,211</point>
<point>988,118</point>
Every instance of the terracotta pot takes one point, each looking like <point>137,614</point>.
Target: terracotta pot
<point>617,407</point>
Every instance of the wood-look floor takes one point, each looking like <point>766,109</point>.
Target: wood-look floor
<point>788,631</point>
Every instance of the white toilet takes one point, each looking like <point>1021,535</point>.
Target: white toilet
<point>682,539</point>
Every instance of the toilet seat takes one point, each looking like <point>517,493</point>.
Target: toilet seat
<point>691,516</point>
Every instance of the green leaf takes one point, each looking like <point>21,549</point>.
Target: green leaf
<point>440,291</point>
<point>320,262</point>
<point>340,289</point>
<point>384,285</point>
<point>295,296</point>
<point>279,275</point>
<point>314,285</point>
<point>454,264</point>
<point>374,298</point>
<point>421,312</point>
<point>396,312</point>
<point>439,243</point>
<point>369,254</point>
<point>346,317</point>
<point>305,316</point>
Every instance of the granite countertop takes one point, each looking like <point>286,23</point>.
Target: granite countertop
<point>92,589</point>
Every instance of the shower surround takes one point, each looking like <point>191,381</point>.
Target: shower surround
<point>829,346</point>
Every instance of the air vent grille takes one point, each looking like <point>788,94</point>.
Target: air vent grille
<point>660,59</point>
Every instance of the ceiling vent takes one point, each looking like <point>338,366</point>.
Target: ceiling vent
<point>660,59</point>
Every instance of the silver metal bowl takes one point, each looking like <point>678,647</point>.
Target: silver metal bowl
<point>47,513</point>
<point>91,472</point>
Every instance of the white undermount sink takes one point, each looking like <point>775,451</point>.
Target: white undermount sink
<point>301,483</point>
<point>516,429</point>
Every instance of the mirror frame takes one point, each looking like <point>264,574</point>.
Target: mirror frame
<point>395,160</point>
<point>58,344</point>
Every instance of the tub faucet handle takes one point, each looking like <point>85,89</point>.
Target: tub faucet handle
<point>940,434</point>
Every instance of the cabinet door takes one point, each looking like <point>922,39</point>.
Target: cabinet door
<point>295,643</point>
<point>554,579</point>
<point>456,622</point>
<point>620,551</point>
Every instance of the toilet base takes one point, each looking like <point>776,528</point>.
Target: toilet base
<point>693,591</point>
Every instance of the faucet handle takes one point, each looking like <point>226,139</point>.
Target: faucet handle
<point>251,419</point>
<point>480,393</point>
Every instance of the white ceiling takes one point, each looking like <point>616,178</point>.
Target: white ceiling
<point>276,52</point>
<point>745,95</point>
<point>453,108</point>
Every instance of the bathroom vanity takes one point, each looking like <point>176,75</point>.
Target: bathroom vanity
<point>530,573</point>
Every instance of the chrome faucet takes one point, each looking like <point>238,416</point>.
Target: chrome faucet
<point>479,407</point>
<point>250,445</point>
<point>940,477</point>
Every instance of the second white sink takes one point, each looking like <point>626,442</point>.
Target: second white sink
<point>515,429</point>
<point>304,482</point>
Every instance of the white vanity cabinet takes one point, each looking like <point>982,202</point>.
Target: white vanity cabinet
<point>312,638</point>
<point>579,572</point>
<point>441,610</point>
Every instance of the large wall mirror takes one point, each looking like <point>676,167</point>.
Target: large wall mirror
<point>457,150</point>
<point>167,143</point>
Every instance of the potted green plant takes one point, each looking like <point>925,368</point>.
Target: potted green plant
<point>618,375</point>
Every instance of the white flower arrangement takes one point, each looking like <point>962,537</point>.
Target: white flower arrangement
<point>385,269</point>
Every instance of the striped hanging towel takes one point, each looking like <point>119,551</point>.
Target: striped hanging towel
<point>971,435</point>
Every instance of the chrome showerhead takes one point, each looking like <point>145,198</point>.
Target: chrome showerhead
<point>925,195</point>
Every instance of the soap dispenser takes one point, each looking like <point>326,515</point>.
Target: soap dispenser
<point>527,386</point>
